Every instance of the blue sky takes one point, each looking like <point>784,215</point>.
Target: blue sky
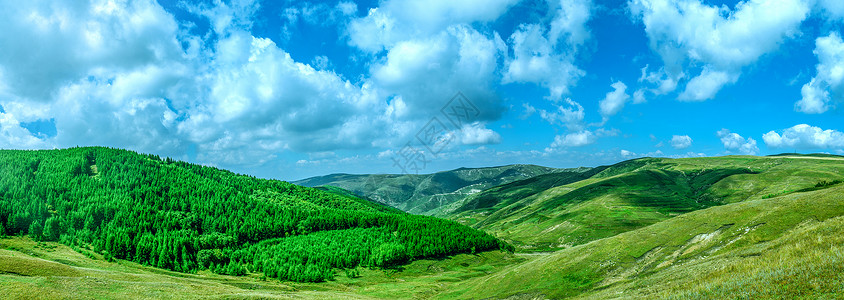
<point>292,89</point>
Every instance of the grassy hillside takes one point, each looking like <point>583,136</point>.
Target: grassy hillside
<point>427,193</point>
<point>554,211</point>
<point>701,228</point>
<point>781,247</point>
<point>48,270</point>
<point>187,218</point>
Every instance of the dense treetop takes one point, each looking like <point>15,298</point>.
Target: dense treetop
<point>185,217</point>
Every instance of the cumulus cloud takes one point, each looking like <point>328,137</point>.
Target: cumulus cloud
<point>614,101</point>
<point>477,134</point>
<point>735,143</point>
<point>828,83</point>
<point>545,54</point>
<point>124,74</point>
<point>575,139</point>
<point>689,33</point>
<point>13,136</point>
<point>803,136</point>
<point>434,68</point>
<point>128,74</point>
<point>681,141</point>
<point>78,39</point>
<point>569,114</point>
<point>581,138</point>
<point>395,21</point>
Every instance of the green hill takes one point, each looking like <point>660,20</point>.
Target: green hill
<point>428,194</point>
<point>184,217</point>
<point>557,211</point>
<point>786,247</point>
<point>653,228</point>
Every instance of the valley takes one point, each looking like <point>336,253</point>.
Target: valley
<point>715,227</point>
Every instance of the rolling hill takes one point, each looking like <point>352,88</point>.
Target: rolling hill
<point>184,217</point>
<point>784,247</point>
<point>652,228</point>
<point>557,211</point>
<point>426,194</point>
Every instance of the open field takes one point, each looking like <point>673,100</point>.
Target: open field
<point>52,271</point>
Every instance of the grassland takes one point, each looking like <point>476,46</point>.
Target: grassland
<point>635,194</point>
<point>50,270</point>
<point>738,227</point>
<point>783,247</point>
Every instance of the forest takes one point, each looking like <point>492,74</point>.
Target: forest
<point>186,217</point>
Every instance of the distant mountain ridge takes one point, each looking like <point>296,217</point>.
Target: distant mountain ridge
<point>428,193</point>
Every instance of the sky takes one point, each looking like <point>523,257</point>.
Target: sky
<point>294,89</point>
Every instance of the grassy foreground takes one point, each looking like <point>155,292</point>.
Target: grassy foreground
<point>782,247</point>
<point>48,270</point>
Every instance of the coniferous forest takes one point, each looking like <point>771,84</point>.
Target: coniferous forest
<point>186,217</point>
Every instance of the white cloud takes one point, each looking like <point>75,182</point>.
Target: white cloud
<point>78,39</point>
<point>581,138</point>
<point>803,136</point>
<point>828,83</point>
<point>639,96</point>
<point>395,21</point>
<point>734,142</point>
<point>681,141</point>
<point>124,74</point>
<point>13,136</point>
<point>529,111</point>
<point>477,134</point>
<point>536,61</point>
<point>626,154</point>
<point>570,114</point>
<point>575,139</point>
<point>545,54</point>
<point>614,101</point>
<point>347,7</point>
<point>706,85</point>
<point>435,68</point>
<point>688,33</point>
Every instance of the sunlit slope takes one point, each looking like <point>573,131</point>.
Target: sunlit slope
<point>427,193</point>
<point>633,194</point>
<point>783,247</point>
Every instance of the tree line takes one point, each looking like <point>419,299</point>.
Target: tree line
<point>186,217</point>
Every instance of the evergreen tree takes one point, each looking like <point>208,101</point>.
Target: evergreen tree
<point>184,217</point>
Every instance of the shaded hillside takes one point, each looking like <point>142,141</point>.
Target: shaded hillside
<point>427,193</point>
<point>634,194</point>
<point>184,217</point>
